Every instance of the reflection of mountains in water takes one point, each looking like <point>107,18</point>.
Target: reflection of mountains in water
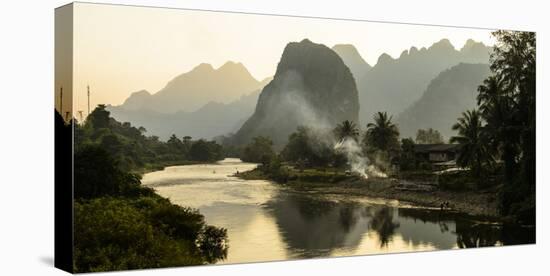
<point>316,227</point>
<point>312,226</point>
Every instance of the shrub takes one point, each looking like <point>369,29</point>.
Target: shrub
<point>148,232</point>
<point>258,151</point>
<point>457,181</point>
<point>97,174</point>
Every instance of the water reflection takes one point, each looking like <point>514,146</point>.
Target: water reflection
<point>266,222</point>
<point>312,226</point>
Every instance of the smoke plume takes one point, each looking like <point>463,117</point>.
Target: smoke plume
<point>356,160</point>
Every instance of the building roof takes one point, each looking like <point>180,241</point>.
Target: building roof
<point>426,148</point>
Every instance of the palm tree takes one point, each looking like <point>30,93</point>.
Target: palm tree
<point>503,127</point>
<point>383,133</point>
<point>472,138</point>
<point>346,129</point>
<point>507,103</point>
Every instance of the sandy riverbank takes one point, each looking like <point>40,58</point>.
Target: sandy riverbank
<point>475,203</point>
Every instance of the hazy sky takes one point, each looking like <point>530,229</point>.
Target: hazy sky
<point>119,49</point>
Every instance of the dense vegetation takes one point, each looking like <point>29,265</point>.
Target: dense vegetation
<point>258,151</point>
<point>501,132</point>
<point>120,224</point>
<point>129,146</point>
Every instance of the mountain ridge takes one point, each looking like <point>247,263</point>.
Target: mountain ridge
<point>449,94</point>
<point>191,90</point>
<point>312,86</point>
<point>392,85</point>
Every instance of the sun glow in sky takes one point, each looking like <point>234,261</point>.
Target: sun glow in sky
<point>120,49</point>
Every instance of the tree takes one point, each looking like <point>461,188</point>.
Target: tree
<point>308,147</point>
<point>98,174</point>
<point>203,150</point>
<point>260,150</point>
<point>514,60</point>
<point>99,118</point>
<point>500,112</point>
<point>382,134</point>
<point>507,103</point>
<point>175,144</point>
<point>407,159</point>
<point>111,143</point>
<point>297,147</point>
<point>429,136</point>
<point>147,232</point>
<point>473,151</point>
<point>346,129</point>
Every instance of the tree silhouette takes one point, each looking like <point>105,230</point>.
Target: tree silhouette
<point>383,133</point>
<point>507,103</point>
<point>473,151</point>
<point>346,129</point>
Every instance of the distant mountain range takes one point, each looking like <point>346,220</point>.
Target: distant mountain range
<point>447,96</point>
<point>351,57</point>
<point>209,121</point>
<point>208,102</point>
<point>392,85</point>
<point>191,90</point>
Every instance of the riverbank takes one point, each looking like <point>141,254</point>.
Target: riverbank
<point>474,203</point>
<point>159,166</point>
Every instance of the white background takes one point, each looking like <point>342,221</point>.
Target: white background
<point>26,121</point>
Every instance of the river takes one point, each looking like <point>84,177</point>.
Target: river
<point>266,222</point>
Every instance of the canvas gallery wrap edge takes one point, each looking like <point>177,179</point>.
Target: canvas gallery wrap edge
<point>189,137</point>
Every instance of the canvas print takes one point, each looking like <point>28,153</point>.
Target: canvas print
<point>199,137</point>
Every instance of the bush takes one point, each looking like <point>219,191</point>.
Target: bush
<point>258,151</point>
<point>203,150</point>
<point>457,181</point>
<point>97,174</point>
<point>212,243</point>
<point>149,232</point>
<point>275,170</point>
<point>307,145</point>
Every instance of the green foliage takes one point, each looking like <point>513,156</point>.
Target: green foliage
<point>212,243</point>
<point>407,160</point>
<point>457,181</point>
<point>260,150</point>
<point>99,118</point>
<point>120,224</point>
<point>507,103</point>
<point>308,148</point>
<point>474,151</point>
<point>203,150</point>
<point>120,234</point>
<point>132,150</point>
<point>504,126</point>
<point>96,174</point>
<point>275,170</point>
<point>381,141</point>
<point>346,129</point>
<point>382,134</point>
<point>428,136</point>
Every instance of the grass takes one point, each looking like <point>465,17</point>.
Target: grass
<point>325,175</point>
<point>158,166</point>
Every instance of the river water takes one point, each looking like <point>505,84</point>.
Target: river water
<point>266,222</point>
